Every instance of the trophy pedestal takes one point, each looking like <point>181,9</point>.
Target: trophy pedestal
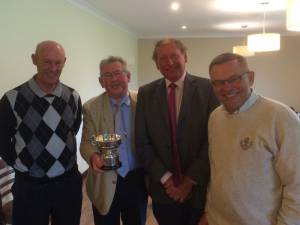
<point>115,167</point>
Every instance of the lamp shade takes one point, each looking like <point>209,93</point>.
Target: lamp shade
<point>263,42</point>
<point>293,15</point>
<point>242,50</point>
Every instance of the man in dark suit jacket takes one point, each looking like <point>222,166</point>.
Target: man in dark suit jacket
<point>177,199</point>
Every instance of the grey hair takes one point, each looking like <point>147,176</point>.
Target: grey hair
<point>112,59</point>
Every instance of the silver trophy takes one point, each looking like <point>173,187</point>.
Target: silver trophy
<point>107,145</point>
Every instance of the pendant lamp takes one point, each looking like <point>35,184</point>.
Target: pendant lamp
<point>293,15</point>
<point>243,49</point>
<point>264,42</point>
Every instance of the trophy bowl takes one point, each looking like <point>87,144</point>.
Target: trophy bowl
<point>107,145</point>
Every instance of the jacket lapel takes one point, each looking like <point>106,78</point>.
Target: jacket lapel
<point>162,103</point>
<point>106,118</point>
<point>133,99</point>
<point>188,92</point>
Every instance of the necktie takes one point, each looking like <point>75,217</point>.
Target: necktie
<point>177,176</point>
<point>121,130</point>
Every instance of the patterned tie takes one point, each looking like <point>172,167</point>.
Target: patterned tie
<point>121,130</point>
<point>177,176</point>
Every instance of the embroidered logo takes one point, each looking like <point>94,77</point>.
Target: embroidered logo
<point>246,143</point>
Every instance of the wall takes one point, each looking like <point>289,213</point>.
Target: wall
<point>86,39</point>
<point>276,73</point>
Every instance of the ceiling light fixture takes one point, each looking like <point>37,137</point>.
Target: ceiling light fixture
<point>246,6</point>
<point>264,42</point>
<point>183,27</point>
<point>243,49</point>
<point>293,15</point>
<point>232,26</point>
<point>174,6</point>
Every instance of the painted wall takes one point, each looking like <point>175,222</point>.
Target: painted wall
<point>86,39</point>
<point>277,74</point>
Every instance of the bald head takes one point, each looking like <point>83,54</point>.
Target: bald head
<point>49,58</point>
<point>46,45</point>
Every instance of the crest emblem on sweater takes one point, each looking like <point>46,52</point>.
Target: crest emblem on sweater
<point>246,143</point>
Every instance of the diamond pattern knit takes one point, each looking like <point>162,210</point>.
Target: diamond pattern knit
<point>45,137</point>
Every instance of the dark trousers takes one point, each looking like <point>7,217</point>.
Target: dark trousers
<point>129,203</point>
<point>36,201</point>
<point>176,214</point>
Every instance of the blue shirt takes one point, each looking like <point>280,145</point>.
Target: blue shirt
<point>123,128</point>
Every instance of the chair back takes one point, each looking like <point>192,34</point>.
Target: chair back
<point>7,176</point>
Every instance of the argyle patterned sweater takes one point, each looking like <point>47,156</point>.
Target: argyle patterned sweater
<point>37,131</point>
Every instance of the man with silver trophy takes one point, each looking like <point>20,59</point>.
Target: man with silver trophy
<point>108,148</point>
<point>115,180</point>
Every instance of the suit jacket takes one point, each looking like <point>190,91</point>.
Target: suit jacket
<point>98,119</point>
<point>153,140</point>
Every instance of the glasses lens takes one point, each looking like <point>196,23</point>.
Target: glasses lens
<point>232,80</point>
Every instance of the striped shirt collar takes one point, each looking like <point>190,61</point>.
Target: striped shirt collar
<point>124,100</point>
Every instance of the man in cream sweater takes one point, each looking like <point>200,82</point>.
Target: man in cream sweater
<point>254,151</point>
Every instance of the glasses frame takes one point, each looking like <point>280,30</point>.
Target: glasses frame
<point>116,73</point>
<point>232,80</point>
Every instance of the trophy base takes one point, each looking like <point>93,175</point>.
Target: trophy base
<point>111,167</point>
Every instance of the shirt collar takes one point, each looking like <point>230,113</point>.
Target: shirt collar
<point>248,103</point>
<point>178,83</point>
<point>39,92</point>
<point>124,100</point>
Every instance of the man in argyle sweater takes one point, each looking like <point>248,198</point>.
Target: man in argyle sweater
<point>38,123</point>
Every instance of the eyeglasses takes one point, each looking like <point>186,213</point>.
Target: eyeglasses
<point>116,73</point>
<point>235,79</point>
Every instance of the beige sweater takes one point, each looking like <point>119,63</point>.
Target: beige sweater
<point>255,165</point>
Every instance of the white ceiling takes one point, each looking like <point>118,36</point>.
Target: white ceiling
<point>203,18</point>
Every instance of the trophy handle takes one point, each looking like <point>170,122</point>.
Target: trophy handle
<point>93,141</point>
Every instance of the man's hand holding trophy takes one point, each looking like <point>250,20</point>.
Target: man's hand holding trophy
<point>107,145</point>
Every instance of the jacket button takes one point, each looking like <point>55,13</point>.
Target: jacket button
<point>114,182</point>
